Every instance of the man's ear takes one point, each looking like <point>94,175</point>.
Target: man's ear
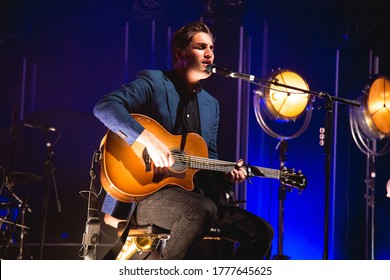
<point>179,54</point>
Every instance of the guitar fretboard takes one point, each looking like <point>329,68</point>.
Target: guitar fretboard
<point>223,166</point>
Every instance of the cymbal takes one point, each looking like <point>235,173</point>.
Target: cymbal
<point>22,178</point>
<point>5,205</point>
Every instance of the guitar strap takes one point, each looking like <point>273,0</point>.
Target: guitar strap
<point>116,248</point>
<point>183,141</point>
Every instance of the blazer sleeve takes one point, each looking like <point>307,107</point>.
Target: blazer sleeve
<point>114,109</point>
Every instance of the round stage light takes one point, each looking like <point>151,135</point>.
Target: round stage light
<point>282,100</point>
<point>373,117</point>
<point>285,103</point>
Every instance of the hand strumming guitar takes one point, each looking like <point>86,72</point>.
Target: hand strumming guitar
<point>157,150</point>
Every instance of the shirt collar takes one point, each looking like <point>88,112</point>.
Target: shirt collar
<point>180,84</point>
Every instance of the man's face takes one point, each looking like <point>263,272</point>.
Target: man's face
<point>198,54</point>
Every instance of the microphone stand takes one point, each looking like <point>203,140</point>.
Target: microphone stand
<point>50,177</point>
<point>329,119</point>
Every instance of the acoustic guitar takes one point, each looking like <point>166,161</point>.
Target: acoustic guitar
<point>128,174</point>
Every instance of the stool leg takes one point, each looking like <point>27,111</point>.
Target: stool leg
<point>143,245</point>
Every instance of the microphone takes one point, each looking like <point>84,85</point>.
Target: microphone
<point>212,68</point>
<point>39,126</point>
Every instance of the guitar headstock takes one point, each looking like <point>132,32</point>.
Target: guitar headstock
<point>293,179</point>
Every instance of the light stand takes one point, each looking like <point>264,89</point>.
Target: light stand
<point>367,126</point>
<point>330,100</point>
<point>370,203</point>
<point>280,104</point>
<point>283,146</point>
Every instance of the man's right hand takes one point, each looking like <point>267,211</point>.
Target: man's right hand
<point>158,151</point>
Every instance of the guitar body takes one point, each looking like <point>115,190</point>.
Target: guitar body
<point>127,172</point>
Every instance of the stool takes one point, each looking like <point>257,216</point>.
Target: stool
<point>142,241</point>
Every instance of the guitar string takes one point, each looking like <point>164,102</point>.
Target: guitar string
<point>194,161</point>
<point>219,165</point>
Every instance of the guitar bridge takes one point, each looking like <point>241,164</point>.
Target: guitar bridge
<point>147,161</point>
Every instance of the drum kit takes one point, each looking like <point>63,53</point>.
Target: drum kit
<point>13,209</point>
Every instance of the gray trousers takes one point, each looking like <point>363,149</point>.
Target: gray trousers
<point>190,216</point>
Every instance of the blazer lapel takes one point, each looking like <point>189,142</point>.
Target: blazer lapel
<point>173,102</point>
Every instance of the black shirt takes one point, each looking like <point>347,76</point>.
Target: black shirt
<point>187,115</point>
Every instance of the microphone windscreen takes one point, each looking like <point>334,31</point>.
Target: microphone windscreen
<point>210,67</point>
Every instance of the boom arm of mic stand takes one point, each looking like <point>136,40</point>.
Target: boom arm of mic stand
<point>260,81</point>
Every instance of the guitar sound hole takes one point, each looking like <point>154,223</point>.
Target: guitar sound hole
<point>181,160</point>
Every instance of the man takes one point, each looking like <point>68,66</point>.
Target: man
<point>176,100</point>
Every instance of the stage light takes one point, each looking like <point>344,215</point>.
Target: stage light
<point>285,103</point>
<point>371,121</point>
<point>378,105</point>
<point>373,117</point>
<point>281,103</point>
<point>278,103</point>
<point>370,128</point>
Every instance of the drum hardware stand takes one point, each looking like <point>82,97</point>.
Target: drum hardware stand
<point>23,207</point>
<point>50,177</point>
<point>21,215</point>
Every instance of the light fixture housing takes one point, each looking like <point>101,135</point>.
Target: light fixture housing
<point>285,103</point>
<point>282,103</point>
<point>373,117</point>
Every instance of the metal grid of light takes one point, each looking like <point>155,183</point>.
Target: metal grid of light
<point>284,99</point>
<point>286,103</point>
<point>371,121</point>
<point>373,117</point>
<point>378,105</point>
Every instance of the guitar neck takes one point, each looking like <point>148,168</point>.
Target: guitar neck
<point>227,166</point>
